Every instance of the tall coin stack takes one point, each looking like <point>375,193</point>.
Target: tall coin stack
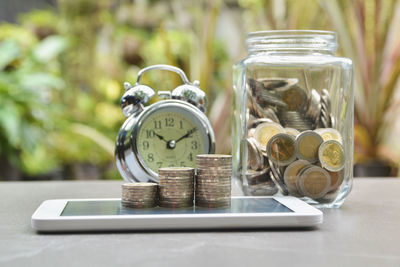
<point>213,180</point>
<point>176,186</point>
<point>139,195</point>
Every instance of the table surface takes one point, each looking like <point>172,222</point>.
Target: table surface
<point>363,232</point>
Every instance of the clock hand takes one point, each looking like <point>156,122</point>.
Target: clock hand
<point>186,135</point>
<point>161,137</point>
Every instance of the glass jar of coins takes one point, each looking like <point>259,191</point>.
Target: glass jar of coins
<point>293,117</point>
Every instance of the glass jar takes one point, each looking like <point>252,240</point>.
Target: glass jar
<point>293,117</point>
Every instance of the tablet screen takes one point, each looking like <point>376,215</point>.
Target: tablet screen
<point>114,207</point>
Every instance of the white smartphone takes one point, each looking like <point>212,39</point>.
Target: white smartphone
<point>110,215</point>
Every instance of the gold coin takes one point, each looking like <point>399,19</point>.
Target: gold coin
<point>291,173</point>
<point>252,124</point>
<point>336,179</point>
<point>295,98</point>
<point>307,145</point>
<point>139,185</point>
<point>313,182</point>
<point>264,133</point>
<point>292,131</point>
<point>280,149</point>
<point>329,134</point>
<point>331,155</point>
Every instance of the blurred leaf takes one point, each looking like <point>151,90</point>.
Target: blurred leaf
<point>107,114</point>
<point>49,48</point>
<point>39,17</point>
<point>38,161</point>
<point>41,81</point>
<point>16,33</point>
<point>95,136</point>
<point>9,122</point>
<point>9,51</point>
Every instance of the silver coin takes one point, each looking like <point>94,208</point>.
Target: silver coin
<point>277,83</point>
<point>291,175</point>
<point>313,182</point>
<point>277,178</point>
<point>255,159</point>
<point>307,145</point>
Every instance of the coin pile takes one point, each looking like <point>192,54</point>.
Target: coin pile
<point>176,187</point>
<point>292,145</point>
<point>213,180</point>
<point>139,195</point>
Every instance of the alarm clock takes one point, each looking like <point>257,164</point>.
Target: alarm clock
<point>167,133</point>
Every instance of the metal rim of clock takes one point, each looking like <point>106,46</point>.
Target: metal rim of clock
<point>126,154</point>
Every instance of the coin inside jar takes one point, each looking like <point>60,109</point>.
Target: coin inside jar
<point>255,159</point>
<point>313,182</point>
<point>295,98</point>
<point>307,145</point>
<point>265,131</point>
<point>292,131</point>
<point>291,173</point>
<point>280,149</point>
<point>331,155</point>
<point>329,134</point>
<point>255,122</point>
<point>336,179</point>
<point>277,83</point>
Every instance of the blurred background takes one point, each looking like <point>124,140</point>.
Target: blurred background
<point>63,63</point>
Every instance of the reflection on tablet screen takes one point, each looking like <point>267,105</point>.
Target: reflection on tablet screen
<point>113,207</point>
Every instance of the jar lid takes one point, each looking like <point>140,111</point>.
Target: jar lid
<point>291,40</point>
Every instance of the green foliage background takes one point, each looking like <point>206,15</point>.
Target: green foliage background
<point>61,72</point>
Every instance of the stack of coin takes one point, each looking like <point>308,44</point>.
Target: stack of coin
<point>139,195</point>
<point>176,186</point>
<point>213,180</point>
<point>294,119</point>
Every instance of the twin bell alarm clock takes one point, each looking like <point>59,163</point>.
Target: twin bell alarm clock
<point>168,133</point>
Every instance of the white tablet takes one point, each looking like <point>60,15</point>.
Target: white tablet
<point>109,215</point>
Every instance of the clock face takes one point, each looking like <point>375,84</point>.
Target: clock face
<point>171,138</point>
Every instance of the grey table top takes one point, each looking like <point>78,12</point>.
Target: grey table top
<point>364,232</point>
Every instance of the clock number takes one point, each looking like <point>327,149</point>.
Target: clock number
<point>159,164</point>
<point>150,134</point>
<point>180,125</point>
<point>190,157</point>
<point>146,145</point>
<point>194,144</point>
<point>150,157</point>
<point>157,124</point>
<point>169,122</point>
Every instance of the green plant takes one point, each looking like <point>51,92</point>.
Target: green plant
<point>28,78</point>
<point>368,35</point>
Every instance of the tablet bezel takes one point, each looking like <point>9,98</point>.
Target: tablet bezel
<point>47,218</point>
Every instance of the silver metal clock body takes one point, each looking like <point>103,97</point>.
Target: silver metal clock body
<point>130,162</point>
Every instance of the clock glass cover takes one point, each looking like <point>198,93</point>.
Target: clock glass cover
<point>171,137</point>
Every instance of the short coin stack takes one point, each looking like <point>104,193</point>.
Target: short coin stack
<point>213,180</point>
<point>139,195</point>
<point>176,186</point>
